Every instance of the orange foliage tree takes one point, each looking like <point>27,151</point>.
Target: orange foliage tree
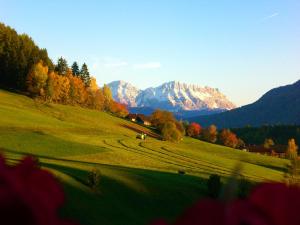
<point>78,92</point>
<point>228,138</point>
<point>118,109</point>
<point>210,134</point>
<point>69,89</point>
<point>193,130</point>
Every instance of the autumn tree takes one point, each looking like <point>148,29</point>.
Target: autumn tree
<point>85,75</point>
<point>292,149</point>
<point>228,138</point>
<point>159,118</point>
<point>62,66</point>
<point>49,88</point>
<point>37,78</point>
<point>193,130</point>
<point>268,143</point>
<point>119,109</point>
<point>167,125</point>
<point>95,96</point>
<point>210,134</point>
<point>108,99</point>
<point>61,88</point>
<point>99,100</point>
<point>78,93</point>
<point>180,127</point>
<point>170,132</point>
<point>75,69</point>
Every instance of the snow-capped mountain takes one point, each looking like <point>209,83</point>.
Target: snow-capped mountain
<point>173,96</point>
<point>124,92</point>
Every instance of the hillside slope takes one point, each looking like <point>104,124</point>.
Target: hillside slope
<point>278,106</point>
<point>139,179</point>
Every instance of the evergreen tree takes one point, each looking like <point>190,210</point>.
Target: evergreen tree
<point>62,66</point>
<point>18,53</point>
<point>85,75</point>
<point>75,69</point>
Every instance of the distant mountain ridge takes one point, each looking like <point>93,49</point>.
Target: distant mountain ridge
<point>173,96</point>
<point>278,106</point>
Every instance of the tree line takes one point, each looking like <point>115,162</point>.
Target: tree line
<point>27,68</point>
<point>229,138</point>
<point>174,130</point>
<point>18,53</point>
<point>280,134</point>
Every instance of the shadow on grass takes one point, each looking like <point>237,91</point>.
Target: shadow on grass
<point>167,196</point>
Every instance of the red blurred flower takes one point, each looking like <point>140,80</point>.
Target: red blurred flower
<point>268,204</point>
<point>29,195</point>
<point>278,202</point>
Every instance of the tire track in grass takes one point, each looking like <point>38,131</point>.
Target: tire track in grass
<point>199,166</point>
<point>210,165</point>
<point>148,155</point>
<point>196,168</point>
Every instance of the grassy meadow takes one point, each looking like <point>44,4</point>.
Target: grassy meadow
<point>139,179</point>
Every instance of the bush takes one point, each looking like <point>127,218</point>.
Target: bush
<point>214,185</point>
<point>244,188</point>
<point>94,179</point>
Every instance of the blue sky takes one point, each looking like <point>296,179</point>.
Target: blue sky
<point>244,48</point>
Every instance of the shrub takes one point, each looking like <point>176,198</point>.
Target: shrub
<point>214,185</point>
<point>94,179</point>
<point>244,188</point>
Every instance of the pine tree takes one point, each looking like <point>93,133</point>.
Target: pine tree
<point>85,75</point>
<point>75,69</point>
<point>62,66</point>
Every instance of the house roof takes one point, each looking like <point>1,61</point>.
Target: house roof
<point>132,116</point>
<point>140,117</point>
<point>143,118</point>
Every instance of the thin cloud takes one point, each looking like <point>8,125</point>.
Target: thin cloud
<point>149,65</point>
<point>116,64</point>
<point>271,16</point>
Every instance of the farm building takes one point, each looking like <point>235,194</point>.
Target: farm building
<point>139,118</point>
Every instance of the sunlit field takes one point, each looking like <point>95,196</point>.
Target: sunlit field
<point>139,179</point>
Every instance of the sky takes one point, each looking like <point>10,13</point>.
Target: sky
<point>243,48</point>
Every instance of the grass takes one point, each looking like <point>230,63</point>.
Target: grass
<point>139,179</point>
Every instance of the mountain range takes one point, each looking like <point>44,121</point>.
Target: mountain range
<point>278,106</point>
<point>172,96</point>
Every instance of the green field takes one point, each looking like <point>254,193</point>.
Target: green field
<point>139,179</point>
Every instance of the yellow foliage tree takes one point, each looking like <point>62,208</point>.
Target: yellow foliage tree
<point>78,93</point>
<point>108,99</point>
<point>37,78</point>
<point>292,149</point>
